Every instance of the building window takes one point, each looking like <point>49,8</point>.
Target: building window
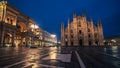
<point>11,21</point>
<point>96,42</point>
<point>80,32</point>
<point>71,36</point>
<point>65,36</point>
<point>71,43</point>
<point>71,31</point>
<point>88,30</point>
<point>66,39</point>
<point>90,43</point>
<point>79,24</point>
<point>7,20</point>
<point>80,42</point>
<point>89,35</point>
<point>66,43</point>
<point>95,35</point>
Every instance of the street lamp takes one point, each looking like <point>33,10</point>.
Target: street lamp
<point>53,36</point>
<point>34,26</point>
<point>113,40</point>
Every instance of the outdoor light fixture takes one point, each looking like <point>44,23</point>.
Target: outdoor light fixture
<point>59,42</point>
<point>104,41</point>
<point>34,26</point>
<point>113,40</point>
<point>53,36</point>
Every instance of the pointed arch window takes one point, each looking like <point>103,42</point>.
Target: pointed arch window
<point>79,24</point>
<point>95,35</point>
<point>88,30</point>
<point>65,36</point>
<point>80,32</point>
<point>89,36</point>
<point>71,31</point>
<point>71,36</point>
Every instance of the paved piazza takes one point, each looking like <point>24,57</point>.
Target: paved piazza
<point>60,57</point>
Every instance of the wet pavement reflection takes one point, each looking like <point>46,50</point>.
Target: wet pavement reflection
<point>60,57</point>
<point>29,57</point>
<point>101,57</point>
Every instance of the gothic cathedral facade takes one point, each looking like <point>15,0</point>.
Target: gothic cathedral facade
<point>81,32</point>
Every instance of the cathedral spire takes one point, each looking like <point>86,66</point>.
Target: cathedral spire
<point>99,23</point>
<point>74,15</point>
<point>83,14</point>
<point>62,27</point>
<point>68,21</point>
<point>91,20</point>
<point>68,24</point>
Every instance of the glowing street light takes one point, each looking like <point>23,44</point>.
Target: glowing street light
<point>53,36</point>
<point>113,40</point>
<point>54,39</point>
<point>34,26</point>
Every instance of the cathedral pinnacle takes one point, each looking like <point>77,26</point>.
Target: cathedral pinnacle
<point>91,19</point>
<point>68,20</point>
<point>99,23</point>
<point>83,14</point>
<point>74,15</point>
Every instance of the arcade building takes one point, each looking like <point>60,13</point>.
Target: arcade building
<point>18,29</point>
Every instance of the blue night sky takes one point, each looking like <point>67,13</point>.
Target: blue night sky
<point>49,14</point>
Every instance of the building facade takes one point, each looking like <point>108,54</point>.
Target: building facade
<point>49,39</point>
<point>81,32</point>
<point>111,41</point>
<point>18,29</point>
